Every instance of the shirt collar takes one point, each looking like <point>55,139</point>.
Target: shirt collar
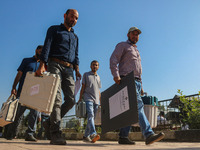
<point>63,26</point>
<point>93,73</point>
<point>35,59</point>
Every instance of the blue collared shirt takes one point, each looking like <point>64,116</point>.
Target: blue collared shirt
<point>27,64</point>
<point>61,44</point>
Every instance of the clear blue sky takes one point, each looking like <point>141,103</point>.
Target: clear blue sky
<point>169,44</point>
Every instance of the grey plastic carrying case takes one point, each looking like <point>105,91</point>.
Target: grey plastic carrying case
<point>8,111</point>
<point>81,110</point>
<point>39,92</point>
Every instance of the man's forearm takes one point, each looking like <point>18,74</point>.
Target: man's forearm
<point>78,75</point>
<point>41,69</point>
<point>42,64</point>
<point>100,97</point>
<point>76,68</point>
<point>81,92</point>
<point>16,81</point>
<point>17,78</point>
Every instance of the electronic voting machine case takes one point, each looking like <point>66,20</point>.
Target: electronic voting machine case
<point>39,92</point>
<point>81,110</point>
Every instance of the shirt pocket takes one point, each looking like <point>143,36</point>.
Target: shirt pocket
<point>98,82</point>
<point>131,54</point>
<point>73,42</point>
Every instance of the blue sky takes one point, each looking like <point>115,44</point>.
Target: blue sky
<point>169,44</point>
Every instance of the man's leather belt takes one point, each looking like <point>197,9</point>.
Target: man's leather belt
<point>136,78</point>
<point>64,63</point>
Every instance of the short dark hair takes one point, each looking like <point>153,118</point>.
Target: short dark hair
<point>67,12</point>
<point>162,113</point>
<point>39,46</point>
<point>94,61</point>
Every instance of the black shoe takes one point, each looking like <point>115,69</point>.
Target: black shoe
<point>46,126</point>
<point>9,135</point>
<point>30,138</point>
<point>154,138</point>
<point>125,141</point>
<point>57,139</point>
<point>9,138</point>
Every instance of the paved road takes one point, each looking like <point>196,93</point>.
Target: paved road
<point>20,144</point>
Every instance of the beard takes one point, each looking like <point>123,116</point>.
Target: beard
<point>94,69</point>
<point>132,41</point>
<point>69,24</point>
<point>38,55</point>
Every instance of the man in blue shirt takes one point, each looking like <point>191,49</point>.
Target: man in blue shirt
<point>60,51</point>
<point>27,64</point>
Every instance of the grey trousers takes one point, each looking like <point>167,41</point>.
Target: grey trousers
<point>67,85</point>
<point>32,122</point>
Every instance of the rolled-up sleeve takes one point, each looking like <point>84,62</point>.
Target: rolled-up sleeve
<point>115,59</point>
<point>47,45</point>
<point>22,66</point>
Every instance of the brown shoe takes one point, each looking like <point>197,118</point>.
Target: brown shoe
<point>94,137</point>
<point>154,138</point>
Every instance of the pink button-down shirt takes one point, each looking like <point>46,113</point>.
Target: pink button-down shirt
<point>125,59</point>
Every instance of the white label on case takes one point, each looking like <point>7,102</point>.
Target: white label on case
<point>35,89</point>
<point>119,103</point>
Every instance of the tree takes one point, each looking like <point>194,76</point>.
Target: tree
<point>190,109</point>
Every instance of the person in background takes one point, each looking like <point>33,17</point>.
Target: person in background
<point>90,91</point>
<point>60,51</point>
<point>27,64</point>
<point>125,59</point>
<point>42,118</point>
<point>161,120</point>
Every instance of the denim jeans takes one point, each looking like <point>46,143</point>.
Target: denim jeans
<point>41,130</point>
<point>68,86</point>
<point>91,109</point>
<point>143,122</point>
<point>32,121</point>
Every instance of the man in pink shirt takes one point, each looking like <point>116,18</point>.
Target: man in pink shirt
<point>125,59</point>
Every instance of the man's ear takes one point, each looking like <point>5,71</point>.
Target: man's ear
<point>65,15</point>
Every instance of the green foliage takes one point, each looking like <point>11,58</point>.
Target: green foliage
<point>190,111</point>
<point>74,123</point>
<point>98,129</point>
